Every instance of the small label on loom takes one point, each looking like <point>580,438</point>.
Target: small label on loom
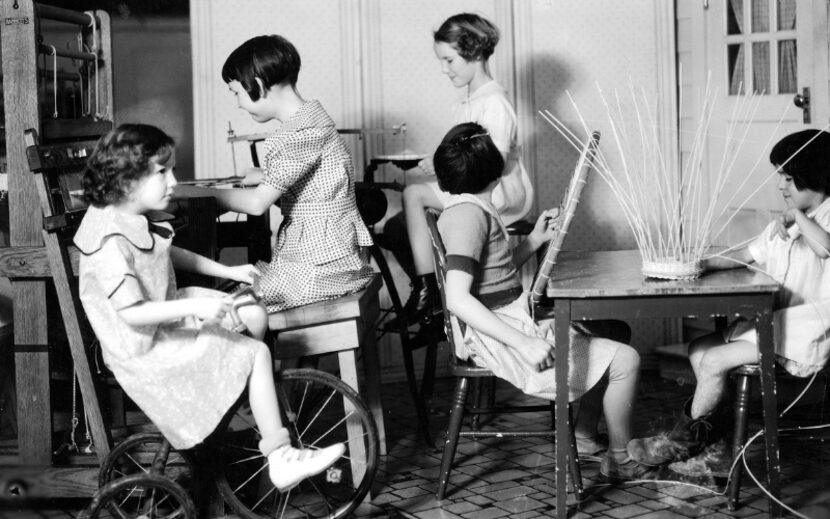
<point>17,21</point>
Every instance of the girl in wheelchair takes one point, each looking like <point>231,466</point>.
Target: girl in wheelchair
<point>172,350</point>
<point>483,289</point>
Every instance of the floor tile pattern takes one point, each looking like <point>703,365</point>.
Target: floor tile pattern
<point>513,478</point>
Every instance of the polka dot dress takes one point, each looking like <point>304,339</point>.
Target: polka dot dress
<point>321,247</point>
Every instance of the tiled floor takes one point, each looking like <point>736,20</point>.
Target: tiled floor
<point>514,478</point>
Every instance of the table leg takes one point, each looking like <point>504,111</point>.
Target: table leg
<point>562,321</point>
<point>766,358</point>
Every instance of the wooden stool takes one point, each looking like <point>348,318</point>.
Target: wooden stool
<point>341,326</point>
<point>743,376</point>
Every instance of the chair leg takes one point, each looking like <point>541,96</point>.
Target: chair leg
<point>453,430</point>
<point>573,459</point>
<point>430,361</point>
<point>403,333</point>
<point>741,418</point>
<point>476,419</point>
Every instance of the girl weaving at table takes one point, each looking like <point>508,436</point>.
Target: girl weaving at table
<point>484,290</point>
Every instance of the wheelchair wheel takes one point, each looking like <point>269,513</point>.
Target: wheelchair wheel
<point>142,454</point>
<point>319,410</point>
<point>142,496</point>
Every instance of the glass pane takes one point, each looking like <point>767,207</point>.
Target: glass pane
<point>735,56</point>
<point>734,16</point>
<point>787,67</point>
<point>760,67</point>
<point>786,15</point>
<point>760,15</point>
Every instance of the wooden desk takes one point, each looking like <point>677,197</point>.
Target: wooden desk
<point>609,285</point>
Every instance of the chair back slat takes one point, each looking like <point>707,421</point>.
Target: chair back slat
<point>569,204</point>
<point>439,254</point>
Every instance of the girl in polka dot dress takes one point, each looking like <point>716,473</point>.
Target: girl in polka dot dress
<point>321,250</point>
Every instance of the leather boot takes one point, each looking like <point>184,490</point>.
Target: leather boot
<point>687,438</point>
<point>424,300</point>
<point>424,303</point>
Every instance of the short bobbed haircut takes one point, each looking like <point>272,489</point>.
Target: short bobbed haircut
<point>467,160</point>
<point>120,158</point>
<point>473,36</point>
<point>805,156</point>
<point>271,58</point>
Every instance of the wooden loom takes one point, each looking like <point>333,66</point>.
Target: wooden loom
<point>35,255</point>
<point>569,204</point>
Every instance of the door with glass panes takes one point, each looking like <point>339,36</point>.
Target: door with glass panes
<point>766,62</point>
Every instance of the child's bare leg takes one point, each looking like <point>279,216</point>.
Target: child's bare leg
<point>416,198</point>
<point>711,364</point>
<point>589,412</point>
<point>618,402</point>
<point>262,395</point>
<point>255,318</point>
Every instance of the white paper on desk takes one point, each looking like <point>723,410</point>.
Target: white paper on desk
<point>802,333</point>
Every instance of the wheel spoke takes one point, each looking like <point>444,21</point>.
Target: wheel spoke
<point>254,475</point>
<point>135,462</point>
<point>319,411</point>
<point>332,428</point>
<point>264,497</point>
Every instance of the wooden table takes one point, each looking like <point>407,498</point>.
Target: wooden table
<point>609,285</point>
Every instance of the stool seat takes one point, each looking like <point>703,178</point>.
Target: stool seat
<point>340,308</point>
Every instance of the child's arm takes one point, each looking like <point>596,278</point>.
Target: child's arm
<point>191,262</point>
<point>542,232</point>
<point>816,237</point>
<point>154,312</point>
<point>254,201</point>
<point>463,304</point>
<point>729,260</point>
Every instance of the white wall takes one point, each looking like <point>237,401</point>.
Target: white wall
<point>371,64</point>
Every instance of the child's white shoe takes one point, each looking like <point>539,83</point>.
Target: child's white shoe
<point>288,466</point>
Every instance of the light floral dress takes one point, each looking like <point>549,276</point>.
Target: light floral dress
<point>185,375</point>
<point>321,251</point>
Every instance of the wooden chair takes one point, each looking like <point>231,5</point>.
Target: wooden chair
<point>343,326</point>
<point>466,371</point>
<point>743,377</point>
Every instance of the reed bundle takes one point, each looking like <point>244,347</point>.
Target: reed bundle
<point>671,206</point>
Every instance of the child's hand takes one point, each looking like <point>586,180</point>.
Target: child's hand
<point>537,352</point>
<point>783,224</point>
<point>547,223</point>
<point>242,273</point>
<point>211,309</point>
<point>252,177</point>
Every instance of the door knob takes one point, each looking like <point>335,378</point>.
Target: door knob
<point>802,101</point>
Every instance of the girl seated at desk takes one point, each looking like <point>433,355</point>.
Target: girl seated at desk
<point>321,250</point>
